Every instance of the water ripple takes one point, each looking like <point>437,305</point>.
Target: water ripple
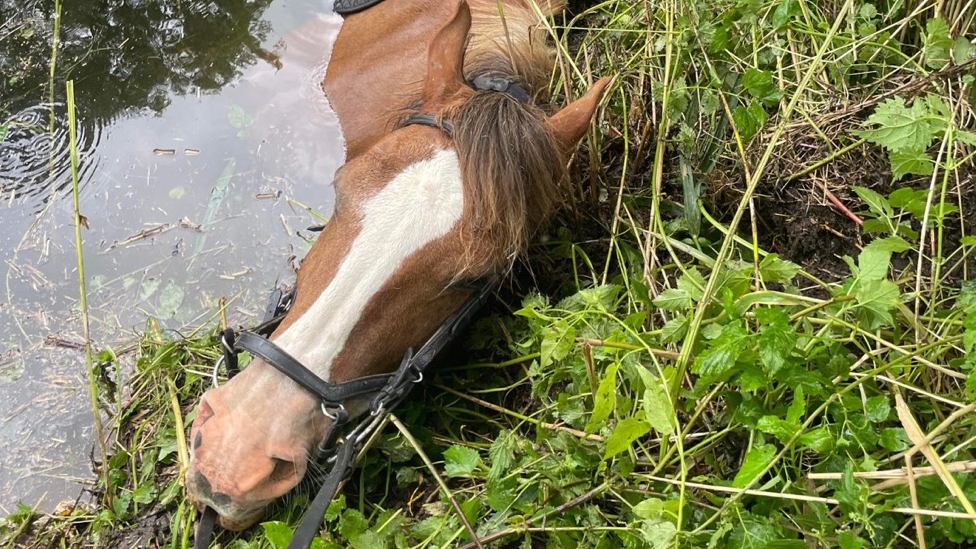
<point>35,162</point>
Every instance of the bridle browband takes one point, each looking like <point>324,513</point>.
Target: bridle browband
<point>386,391</point>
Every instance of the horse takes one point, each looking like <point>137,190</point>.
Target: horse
<point>451,165</point>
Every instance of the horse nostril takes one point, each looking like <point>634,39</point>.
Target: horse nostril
<point>283,470</point>
<point>204,412</point>
<point>202,485</point>
<point>197,440</point>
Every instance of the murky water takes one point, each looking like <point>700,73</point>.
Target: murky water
<point>202,133</point>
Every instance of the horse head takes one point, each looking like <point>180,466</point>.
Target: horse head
<point>427,209</point>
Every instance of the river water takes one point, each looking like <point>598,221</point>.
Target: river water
<point>203,134</point>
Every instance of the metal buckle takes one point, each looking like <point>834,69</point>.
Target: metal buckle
<point>333,415</point>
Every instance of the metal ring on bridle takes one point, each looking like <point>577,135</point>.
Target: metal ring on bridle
<point>216,368</point>
<point>331,415</point>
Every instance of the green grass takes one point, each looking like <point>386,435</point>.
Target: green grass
<point>692,376</point>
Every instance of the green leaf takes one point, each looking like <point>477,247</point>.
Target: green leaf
<point>777,338</point>
<point>460,461</point>
<point>877,409</point>
<point>962,50</point>
<point>876,203</point>
<point>894,439</point>
<point>148,288</point>
<point>900,128</point>
<point>754,463</point>
<point>786,10</point>
<point>239,118</point>
<point>938,43</point>
<point>760,85</point>
<point>876,298</point>
<point>873,263</point>
<point>676,328</point>
<point>170,300</point>
<point>719,359</point>
<point>557,341</point>
<point>890,244</point>
<point>352,523</point>
<point>277,533</point>
<point>673,300</point>
<point>749,120</point>
<point>657,406</point>
<point>624,434</point>
<point>650,508</point>
<point>818,440</point>
<point>604,400</point>
<point>4,128</point>
<point>910,163</point>
<point>778,427</point>
<point>774,269</point>
<point>692,282</point>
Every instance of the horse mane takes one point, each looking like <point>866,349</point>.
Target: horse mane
<point>510,162</point>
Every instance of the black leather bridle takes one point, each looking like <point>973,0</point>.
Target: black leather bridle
<point>384,391</point>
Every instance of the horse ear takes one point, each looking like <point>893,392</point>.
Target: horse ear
<point>569,124</point>
<point>446,56</point>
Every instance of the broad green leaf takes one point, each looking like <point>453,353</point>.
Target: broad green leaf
<point>760,85</point>
<point>877,409</point>
<point>876,298</point>
<point>673,300</point>
<point>170,300</point>
<point>894,439</point>
<point>910,162</point>
<point>774,269</point>
<point>786,10</point>
<point>749,120</point>
<point>962,50</point>
<point>649,508</point>
<point>277,533</point>
<point>777,338</point>
<point>818,440</point>
<point>692,282</point>
<point>557,341</point>
<point>754,463</point>
<point>238,117</point>
<point>148,288</point>
<point>675,329</point>
<point>657,407</point>
<point>900,128</point>
<point>938,43</point>
<point>719,359</point>
<point>604,400</point>
<point>778,427</point>
<point>873,263</point>
<point>891,244</point>
<point>352,523</point>
<point>658,533</point>
<point>876,203</point>
<point>624,434</point>
<point>460,461</point>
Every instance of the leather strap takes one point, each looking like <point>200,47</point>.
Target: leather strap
<point>345,7</point>
<point>331,394</point>
<point>440,123</point>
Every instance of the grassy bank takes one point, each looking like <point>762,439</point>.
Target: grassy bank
<point>753,329</point>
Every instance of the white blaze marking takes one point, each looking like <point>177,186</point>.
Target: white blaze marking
<point>418,206</point>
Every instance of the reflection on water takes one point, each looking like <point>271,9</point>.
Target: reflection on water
<point>202,127</point>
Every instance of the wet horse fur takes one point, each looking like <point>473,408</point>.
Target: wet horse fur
<point>417,212</point>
